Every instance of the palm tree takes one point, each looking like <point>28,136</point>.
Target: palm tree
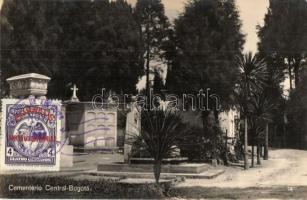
<point>160,132</point>
<point>252,77</point>
<point>262,107</point>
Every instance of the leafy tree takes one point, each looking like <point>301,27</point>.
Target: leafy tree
<point>29,37</point>
<point>297,109</point>
<point>105,47</point>
<point>5,42</point>
<point>283,37</point>
<point>283,43</point>
<point>253,75</point>
<point>208,38</point>
<point>154,29</point>
<point>73,42</point>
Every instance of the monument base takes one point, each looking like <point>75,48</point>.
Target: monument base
<point>164,161</point>
<point>67,156</point>
<point>181,168</point>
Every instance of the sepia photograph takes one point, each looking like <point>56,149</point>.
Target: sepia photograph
<point>153,99</point>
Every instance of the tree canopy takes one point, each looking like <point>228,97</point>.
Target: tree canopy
<point>208,38</point>
<point>154,30</point>
<point>283,37</point>
<point>94,44</point>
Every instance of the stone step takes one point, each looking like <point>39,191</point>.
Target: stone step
<point>164,161</point>
<point>181,168</point>
<point>210,174</point>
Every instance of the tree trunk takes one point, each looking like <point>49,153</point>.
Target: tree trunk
<point>296,68</point>
<point>245,145</point>
<point>157,170</point>
<point>214,143</point>
<point>283,142</point>
<point>205,133</point>
<point>290,74</point>
<point>266,142</point>
<point>147,59</point>
<point>258,154</point>
<point>253,155</point>
<point>226,148</point>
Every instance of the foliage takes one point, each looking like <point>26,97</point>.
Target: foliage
<point>297,117</point>
<point>151,18</point>
<point>283,37</point>
<point>207,38</point>
<point>154,31</point>
<point>283,44</point>
<point>65,40</point>
<point>262,107</point>
<point>252,79</point>
<point>29,38</point>
<point>198,145</point>
<point>160,132</point>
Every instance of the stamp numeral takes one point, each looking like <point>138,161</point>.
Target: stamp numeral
<point>50,152</point>
<point>9,151</point>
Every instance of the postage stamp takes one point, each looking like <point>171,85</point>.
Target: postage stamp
<point>31,130</point>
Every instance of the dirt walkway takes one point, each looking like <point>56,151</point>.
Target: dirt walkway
<point>284,168</point>
<point>283,176</point>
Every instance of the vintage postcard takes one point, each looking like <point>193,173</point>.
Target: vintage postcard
<point>153,99</point>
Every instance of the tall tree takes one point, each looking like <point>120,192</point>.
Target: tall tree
<point>283,37</point>
<point>154,28</point>
<point>105,46</point>
<point>73,42</point>
<point>252,79</point>
<point>208,38</point>
<point>297,109</point>
<point>31,36</point>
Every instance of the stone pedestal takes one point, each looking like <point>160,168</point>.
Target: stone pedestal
<point>67,156</point>
<point>28,84</point>
<point>67,151</point>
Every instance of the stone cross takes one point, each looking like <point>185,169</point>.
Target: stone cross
<point>74,94</point>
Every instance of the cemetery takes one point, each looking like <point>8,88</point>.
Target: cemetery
<point>150,99</point>
<point>92,150</point>
<point>86,130</point>
<point>88,143</point>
